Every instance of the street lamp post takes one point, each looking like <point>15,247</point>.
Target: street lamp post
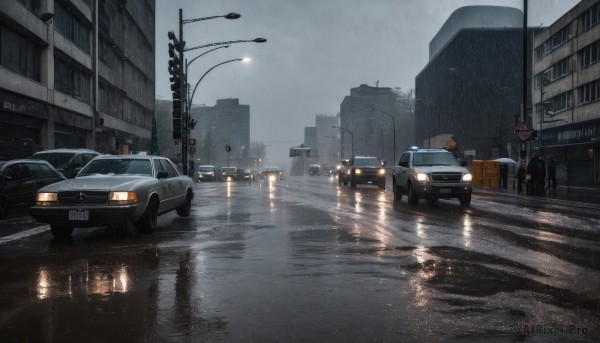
<point>351,136</point>
<point>394,129</point>
<point>183,90</point>
<point>208,71</point>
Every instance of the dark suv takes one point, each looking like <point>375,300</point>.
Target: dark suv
<point>431,174</point>
<point>366,170</point>
<point>67,161</point>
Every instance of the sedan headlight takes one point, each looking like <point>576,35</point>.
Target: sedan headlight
<point>358,171</point>
<point>122,198</point>
<point>46,199</point>
<point>422,177</point>
<point>467,177</point>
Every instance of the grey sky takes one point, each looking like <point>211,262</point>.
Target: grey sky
<point>316,51</point>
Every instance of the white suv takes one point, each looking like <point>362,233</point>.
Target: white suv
<point>431,174</point>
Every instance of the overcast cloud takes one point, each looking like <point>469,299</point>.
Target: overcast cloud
<point>316,51</point>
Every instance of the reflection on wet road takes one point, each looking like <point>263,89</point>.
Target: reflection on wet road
<point>303,259</point>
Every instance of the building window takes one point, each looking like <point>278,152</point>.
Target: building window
<point>589,91</point>
<point>71,79</point>
<point>71,27</point>
<point>590,54</point>
<point>553,42</point>
<point>19,55</point>
<point>32,5</point>
<point>561,102</point>
<point>591,17</point>
<point>558,70</point>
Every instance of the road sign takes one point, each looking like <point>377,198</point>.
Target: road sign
<point>523,132</point>
<point>192,141</point>
<point>228,148</point>
<point>192,150</point>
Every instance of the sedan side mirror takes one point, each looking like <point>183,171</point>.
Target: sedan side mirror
<point>162,175</point>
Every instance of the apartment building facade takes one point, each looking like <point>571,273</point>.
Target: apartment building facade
<point>76,74</point>
<point>566,94</point>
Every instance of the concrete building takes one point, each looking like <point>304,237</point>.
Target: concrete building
<point>328,144</point>
<point>567,83</point>
<point>373,132</point>
<point>470,92</point>
<point>77,74</point>
<point>225,124</point>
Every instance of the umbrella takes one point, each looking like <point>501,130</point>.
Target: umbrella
<point>505,160</point>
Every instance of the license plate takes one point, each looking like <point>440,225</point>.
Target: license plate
<point>79,215</point>
<point>445,190</point>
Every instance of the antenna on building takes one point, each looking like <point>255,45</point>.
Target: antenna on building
<point>377,84</point>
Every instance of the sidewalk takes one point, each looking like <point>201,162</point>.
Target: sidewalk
<point>581,195</point>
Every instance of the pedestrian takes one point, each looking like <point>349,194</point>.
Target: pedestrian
<point>531,175</point>
<point>540,176</point>
<point>552,176</point>
<point>521,172</point>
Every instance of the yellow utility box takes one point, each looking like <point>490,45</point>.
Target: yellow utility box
<point>491,174</point>
<point>477,173</point>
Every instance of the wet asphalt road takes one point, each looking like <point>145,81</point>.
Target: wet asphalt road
<point>305,260</point>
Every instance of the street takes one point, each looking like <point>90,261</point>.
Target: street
<point>303,259</point>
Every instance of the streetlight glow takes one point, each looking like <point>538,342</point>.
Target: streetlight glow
<point>246,60</point>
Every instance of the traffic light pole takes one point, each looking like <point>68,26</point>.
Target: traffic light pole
<point>184,111</point>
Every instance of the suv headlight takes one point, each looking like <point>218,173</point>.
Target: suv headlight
<point>381,171</point>
<point>421,177</point>
<point>358,171</point>
<point>467,177</point>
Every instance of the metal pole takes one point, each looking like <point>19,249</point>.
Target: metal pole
<point>184,112</point>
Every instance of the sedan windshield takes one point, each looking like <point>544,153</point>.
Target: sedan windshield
<point>434,159</point>
<point>206,169</point>
<point>118,167</point>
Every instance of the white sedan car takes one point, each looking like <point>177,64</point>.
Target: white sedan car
<point>115,190</point>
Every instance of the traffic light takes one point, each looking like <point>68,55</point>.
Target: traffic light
<point>175,53</point>
<point>175,50</point>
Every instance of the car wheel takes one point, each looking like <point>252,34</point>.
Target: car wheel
<point>397,191</point>
<point>465,200</point>
<point>352,183</point>
<point>186,208</point>
<point>148,222</point>
<point>61,230</point>
<point>339,180</point>
<point>345,182</point>
<point>413,198</point>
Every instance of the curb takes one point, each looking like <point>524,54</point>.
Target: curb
<point>538,198</point>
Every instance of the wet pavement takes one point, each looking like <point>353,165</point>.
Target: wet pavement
<point>305,260</point>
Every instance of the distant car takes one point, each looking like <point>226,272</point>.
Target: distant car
<point>67,161</point>
<point>272,173</point>
<point>207,173</point>
<point>314,169</point>
<point>115,190</point>
<point>20,180</point>
<point>366,170</point>
<point>244,175</point>
<point>228,173</point>
<point>344,172</point>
